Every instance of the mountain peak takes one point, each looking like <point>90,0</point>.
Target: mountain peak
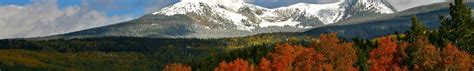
<point>232,4</point>
<point>232,18</point>
<point>215,1</point>
<point>187,6</point>
<point>236,14</point>
<point>380,6</point>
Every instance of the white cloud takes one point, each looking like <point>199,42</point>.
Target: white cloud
<point>43,18</point>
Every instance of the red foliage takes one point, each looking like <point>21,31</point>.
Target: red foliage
<point>338,54</point>
<point>331,54</point>
<point>264,65</point>
<point>289,58</point>
<point>327,54</point>
<point>176,67</point>
<point>236,65</point>
<point>426,56</point>
<point>384,58</point>
<point>284,56</point>
<point>455,60</point>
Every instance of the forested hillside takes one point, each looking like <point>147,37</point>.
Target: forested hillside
<point>449,48</point>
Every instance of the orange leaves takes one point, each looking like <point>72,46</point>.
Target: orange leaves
<point>340,55</point>
<point>264,65</point>
<point>327,54</point>
<point>453,59</point>
<point>236,65</point>
<point>426,56</point>
<point>384,58</point>
<point>176,67</point>
<point>288,58</point>
<point>285,55</point>
<point>328,39</point>
<point>423,55</point>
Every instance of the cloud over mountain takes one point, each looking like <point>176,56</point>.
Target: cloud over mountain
<point>44,17</point>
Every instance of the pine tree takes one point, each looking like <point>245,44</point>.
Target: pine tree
<point>458,29</point>
<point>418,29</point>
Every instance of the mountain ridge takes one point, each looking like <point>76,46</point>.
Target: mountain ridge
<point>201,19</point>
<point>387,24</point>
<point>234,12</point>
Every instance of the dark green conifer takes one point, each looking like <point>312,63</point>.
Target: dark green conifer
<point>458,29</point>
<point>418,29</point>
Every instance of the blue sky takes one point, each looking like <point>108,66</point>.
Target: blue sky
<point>117,7</point>
<point>137,8</point>
<point>110,7</point>
<point>16,2</point>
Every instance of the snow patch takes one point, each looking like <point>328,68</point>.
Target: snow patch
<point>327,13</point>
<point>280,24</point>
<point>376,4</point>
<point>180,8</point>
<point>186,6</point>
<point>215,1</point>
<point>229,10</point>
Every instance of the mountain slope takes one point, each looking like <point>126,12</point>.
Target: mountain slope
<point>387,24</point>
<point>235,18</point>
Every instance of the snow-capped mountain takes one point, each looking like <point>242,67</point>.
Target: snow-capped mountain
<point>244,16</point>
<point>235,18</point>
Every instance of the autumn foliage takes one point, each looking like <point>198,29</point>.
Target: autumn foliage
<point>455,60</point>
<point>285,56</point>
<point>425,55</point>
<point>387,56</point>
<point>236,65</point>
<point>329,53</point>
<point>177,67</point>
<point>337,55</point>
<point>265,65</point>
<point>326,54</point>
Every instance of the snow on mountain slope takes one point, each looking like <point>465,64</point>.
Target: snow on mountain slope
<point>379,6</point>
<point>243,16</point>
<point>188,6</point>
<point>327,13</point>
<point>235,18</point>
<point>207,8</point>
